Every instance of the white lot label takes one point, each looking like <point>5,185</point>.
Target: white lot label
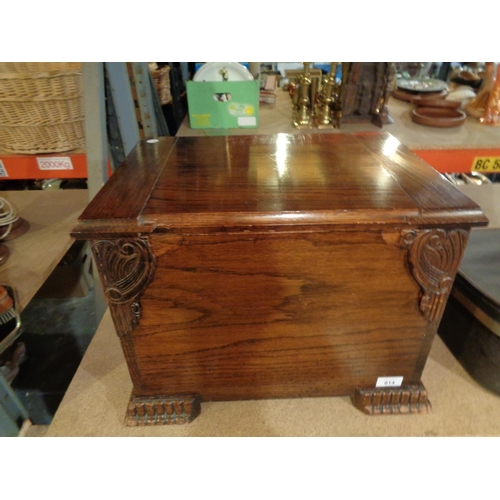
<point>247,121</point>
<point>3,171</point>
<point>389,382</point>
<point>55,163</point>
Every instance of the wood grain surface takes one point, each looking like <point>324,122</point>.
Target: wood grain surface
<point>236,316</point>
<point>426,187</point>
<point>123,197</point>
<point>283,180</point>
<point>293,179</point>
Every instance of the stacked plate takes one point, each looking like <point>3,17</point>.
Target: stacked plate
<point>222,71</point>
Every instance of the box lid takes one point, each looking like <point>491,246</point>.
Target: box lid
<point>277,181</point>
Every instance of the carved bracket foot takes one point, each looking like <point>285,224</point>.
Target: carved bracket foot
<point>398,401</point>
<point>162,410</point>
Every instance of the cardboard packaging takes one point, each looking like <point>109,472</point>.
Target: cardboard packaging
<point>223,104</point>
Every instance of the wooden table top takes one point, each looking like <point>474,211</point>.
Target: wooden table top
<point>35,254</point>
<point>277,118</point>
<point>95,401</point>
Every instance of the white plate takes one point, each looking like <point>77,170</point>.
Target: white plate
<point>211,72</point>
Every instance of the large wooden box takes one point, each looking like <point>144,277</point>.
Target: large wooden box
<point>275,267</point>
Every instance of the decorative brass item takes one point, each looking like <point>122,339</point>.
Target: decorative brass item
<point>361,97</point>
<point>302,113</point>
<point>323,109</point>
<point>313,98</point>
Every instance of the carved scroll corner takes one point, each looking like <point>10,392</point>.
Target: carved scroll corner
<point>434,256</point>
<point>126,266</point>
<point>407,237</point>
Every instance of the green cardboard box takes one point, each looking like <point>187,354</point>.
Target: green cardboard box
<point>223,104</point>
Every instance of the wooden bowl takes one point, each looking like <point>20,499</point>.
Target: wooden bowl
<point>438,117</point>
<point>468,78</point>
<point>406,95</point>
<point>425,102</point>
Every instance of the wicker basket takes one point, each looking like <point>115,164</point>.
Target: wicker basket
<point>38,139</point>
<point>47,112</point>
<point>38,67</point>
<point>40,86</point>
<point>41,107</point>
<point>161,77</point>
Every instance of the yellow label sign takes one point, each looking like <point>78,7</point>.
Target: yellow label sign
<point>486,164</point>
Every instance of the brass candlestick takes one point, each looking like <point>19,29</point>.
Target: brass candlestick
<point>323,114</point>
<point>302,115</point>
<point>314,95</point>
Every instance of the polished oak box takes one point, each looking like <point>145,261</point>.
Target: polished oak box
<point>279,266</point>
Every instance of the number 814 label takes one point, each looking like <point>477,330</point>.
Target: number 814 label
<point>389,382</point>
<point>486,164</point>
